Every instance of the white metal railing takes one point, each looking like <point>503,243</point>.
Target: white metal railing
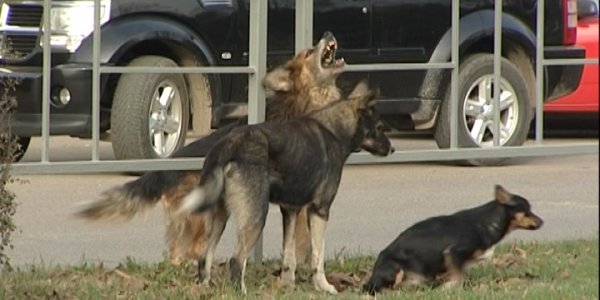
<point>256,70</point>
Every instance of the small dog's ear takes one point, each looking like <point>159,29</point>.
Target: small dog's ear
<point>502,196</point>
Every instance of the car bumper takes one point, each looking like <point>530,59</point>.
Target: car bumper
<point>73,118</point>
<point>562,80</point>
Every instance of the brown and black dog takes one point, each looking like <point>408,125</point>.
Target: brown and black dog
<point>303,84</point>
<point>437,249</point>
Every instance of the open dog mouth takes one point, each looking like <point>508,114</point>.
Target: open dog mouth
<point>328,59</point>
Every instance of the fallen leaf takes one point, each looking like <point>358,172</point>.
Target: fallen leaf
<point>365,278</point>
<point>513,281</point>
<point>341,281</point>
<point>133,282</point>
<point>122,274</point>
<point>504,261</point>
<point>564,274</point>
<point>549,252</point>
<point>522,253</point>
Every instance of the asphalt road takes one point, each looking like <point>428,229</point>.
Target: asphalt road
<point>374,204</point>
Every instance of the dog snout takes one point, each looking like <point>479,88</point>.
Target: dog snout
<point>534,222</point>
<point>538,222</point>
<point>392,149</point>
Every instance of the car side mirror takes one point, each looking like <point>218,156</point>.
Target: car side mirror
<point>586,8</point>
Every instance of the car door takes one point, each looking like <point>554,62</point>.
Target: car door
<point>405,31</point>
<point>348,20</point>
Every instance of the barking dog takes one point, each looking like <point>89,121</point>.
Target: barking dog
<point>303,84</point>
<point>440,247</point>
<point>293,164</point>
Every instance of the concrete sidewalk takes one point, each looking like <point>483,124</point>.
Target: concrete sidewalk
<point>374,204</point>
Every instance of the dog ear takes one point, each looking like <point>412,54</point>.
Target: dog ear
<point>361,89</point>
<point>278,81</point>
<point>363,95</point>
<point>502,196</point>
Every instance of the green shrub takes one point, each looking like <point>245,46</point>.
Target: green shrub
<point>8,148</point>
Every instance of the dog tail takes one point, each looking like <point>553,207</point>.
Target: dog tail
<point>125,201</point>
<point>206,195</point>
<point>212,184</point>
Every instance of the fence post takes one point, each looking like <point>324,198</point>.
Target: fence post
<point>46,82</point>
<point>96,83</point>
<point>304,24</point>
<point>497,69</point>
<point>257,60</point>
<point>454,75</point>
<point>539,73</point>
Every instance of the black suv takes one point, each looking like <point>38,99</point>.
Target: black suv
<point>149,115</point>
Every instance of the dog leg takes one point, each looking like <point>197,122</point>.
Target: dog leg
<point>288,270</point>
<point>454,275</point>
<point>249,205</point>
<point>173,235</point>
<point>205,248</point>
<point>318,225</point>
<point>248,233</point>
<point>303,250</point>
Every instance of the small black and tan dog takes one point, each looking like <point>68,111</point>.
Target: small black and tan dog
<point>436,250</point>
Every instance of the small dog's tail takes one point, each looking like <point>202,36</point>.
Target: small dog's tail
<point>125,201</point>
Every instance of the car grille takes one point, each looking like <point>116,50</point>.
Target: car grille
<point>19,29</point>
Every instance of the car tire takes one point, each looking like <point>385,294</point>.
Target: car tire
<point>476,111</point>
<point>150,112</point>
<point>23,144</point>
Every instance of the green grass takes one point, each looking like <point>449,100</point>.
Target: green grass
<point>531,270</point>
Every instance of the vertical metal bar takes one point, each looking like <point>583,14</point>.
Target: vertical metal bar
<point>304,24</point>
<point>454,75</point>
<point>96,83</point>
<point>46,82</point>
<point>258,61</point>
<point>539,74</point>
<point>497,69</point>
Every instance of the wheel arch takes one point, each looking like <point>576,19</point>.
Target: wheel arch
<point>477,36</point>
<point>125,39</point>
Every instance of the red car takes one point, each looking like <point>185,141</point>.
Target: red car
<point>585,97</point>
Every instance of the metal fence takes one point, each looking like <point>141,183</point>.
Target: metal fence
<point>256,70</point>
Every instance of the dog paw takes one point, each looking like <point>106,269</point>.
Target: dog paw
<point>204,283</point>
<point>176,261</point>
<point>321,284</point>
<point>328,288</point>
<point>287,279</point>
<point>451,285</point>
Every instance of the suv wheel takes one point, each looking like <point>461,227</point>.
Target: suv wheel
<point>150,112</point>
<point>476,109</point>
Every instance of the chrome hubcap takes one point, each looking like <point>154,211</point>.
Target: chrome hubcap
<point>479,111</point>
<point>165,118</point>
